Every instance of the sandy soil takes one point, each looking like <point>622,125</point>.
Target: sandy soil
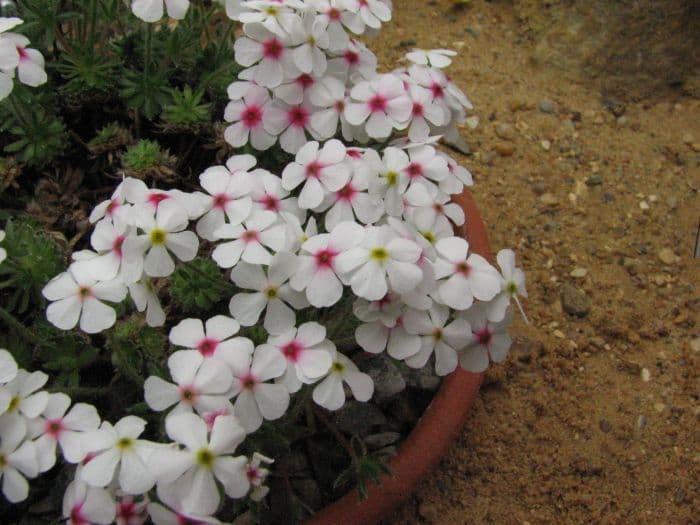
<point>593,419</point>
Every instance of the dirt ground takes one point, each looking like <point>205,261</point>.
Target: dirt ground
<point>595,416</point>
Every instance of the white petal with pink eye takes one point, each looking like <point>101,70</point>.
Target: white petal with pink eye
<point>360,384</point>
<point>60,287</point>
<point>177,9</point>
<point>228,254</point>
<point>188,333</point>
<point>329,393</point>
<point>456,293</point>
<point>369,282</point>
<point>498,349</point>
<point>324,289</point>
<point>183,244</point>
<point>221,327</point>
<point>212,377</point>
<point>273,400</point>
<point>64,314</point>
<point>372,337</point>
<point>158,262</point>
<point>247,307</point>
<point>268,363</point>
<point>249,276</point>
<point>454,249</point>
<point>474,359</point>
<point>148,10</point>
<point>96,316</point>
<point>134,476</point>
<point>188,429</point>
<point>183,365</point>
<point>30,69</point>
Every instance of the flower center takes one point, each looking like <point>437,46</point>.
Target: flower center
<point>429,236</point>
<point>3,461</point>
<point>379,254</point>
<point>117,245</point>
<point>253,474</point>
<point>338,367</point>
<point>437,334</point>
<point>271,10</point>
<point>205,458</point>
<point>125,443</point>
<point>313,170</point>
<point>346,193</point>
<point>298,117</point>
<point>418,109</point>
<point>252,116</point>
<point>333,14</point>
<point>305,80</point>
<point>207,346</point>
<point>158,236</point>
<point>484,336</point>
<point>250,236</point>
<point>111,207</point>
<point>23,55</point>
<point>324,258</point>
<point>76,515</point>
<point>292,350</point>
<point>414,170</point>
<point>53,427</point>
<point>351,57</point>
<point>512,288</point>
<point>220,200</point>
<point>273,49</point>
<point>126,511</point>
<point>377,103</point>
<point>271,292</point>
<point>311,40</point>
<point>184,520</point>
<point>188,394</point>
<point>439,208</point>
<point>391,178</point>
<point>270,202</point>
<point>248,382</point>
<point>463,268</point>
<point>437,90</point>
<point>84,293</point>
<point>339,106</point>
<point>155,198</point>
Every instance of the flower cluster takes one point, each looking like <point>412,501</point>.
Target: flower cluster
<point>364,230</point>
<point>15,56</point>
<point>307,77</point>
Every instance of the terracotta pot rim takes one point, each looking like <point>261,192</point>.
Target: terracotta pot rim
<point>429,440</point>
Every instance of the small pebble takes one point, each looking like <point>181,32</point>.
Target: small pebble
<point>549,199</point>
<point>622,121</point>
<point>695,344</point>
<point>594,180</point>
<point>539,188</point>
<point>578,273</point>
<point>505,150</point>
<point>546,145</point>
<point>559,334</point>
<point>659,407</point>
<point>547,106</point>
<point>646,375</point>
<point>643,205</point>
<point>688,139</point>
<point>505,131</point>
<point>472,122</point>
<point>667,256</point>
<point>641,422</point>
<point>599,119</point>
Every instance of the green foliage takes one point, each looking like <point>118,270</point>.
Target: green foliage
<point>86,73</point>
<point>187,108</point>
<point>365,468</point>
<point>137,350</point>
<point>64,354</point>
<point>32,260</point>
<point>110,137</point>
<point>198,285</point>
<point>147,93</point>
<point>42,19</point>
<point>144,155</point>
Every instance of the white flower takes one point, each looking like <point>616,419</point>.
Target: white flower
<point>338,17</point>
<point>247,116</point>
<point>163,516</point>
<point>382,102</point>
<point>257,476</point>
<point>439,58</point>
<point>310,40</point>
<point>14,55</point>
<point>163,233</point>
<point>487,339</point>
<point>114,209</point>
<point>78,296</point>
<point>464,278</point>
<point>228,188</point>
<point>199,383</point>
<point>145,297</point>
<point>272,61</point>
<point>384,327</point>
<point>108,240</point>
<point>317,273</point>
<point>372,12</point>
<point>152,10</point>
<point>273,293</point>
<point>381,254</point>
<point>425,111</point>
<point>268,194</point>
<point>22,396</point>
<point>329,393</point>
<point>513,284</point>
<point>213,339</point>
<point>307,352</point>
<point>83,505</point>
<point>437,336</point>
<point>276,15</point>
<point>328,96</point>
<point>291,124</point>
<point>189,475</point>
<point>3,252</point>
<point>8,367</point>
<point>118,448</point>
<point>256,399</point>
<point>321,170</point>
<point>425,206</point>
<point>387,178</point>
<point>425,166</point>
<point>293,92</point>
<point>66,430</point>
<point>357,61</point>
<point>260,231</point>
<point>17,459</point>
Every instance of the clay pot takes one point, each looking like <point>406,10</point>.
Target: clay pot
<point>431,437</point>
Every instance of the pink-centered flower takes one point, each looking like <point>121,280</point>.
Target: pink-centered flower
<point>85,505</point>
<point>19,459</point>
<point>247,120</point>
<point>259,233</point>
<point>268,53</point>
<point>213,339</point>
<point>382,103</point>
<point>291,123</point>
<point>489,340</point>
<point>322,171</point>
<point>330,394</point>
<point>384,327</point>
<point>293,92</point>
<point>152,10</point>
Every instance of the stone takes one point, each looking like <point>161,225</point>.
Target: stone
<point>579,273</point>
<point>539,188</point>
<point>597,342</point>
<point>646,375</point>
<point>605,425</point>
<point>616,107</point>
<point>308,491</point>
<point>505,150</point>
<point>381,440</point>
<point>643,205</point>
<point>429,512</point>
<point>549,199</point>
<point>386,376</point>
<point>359,418</point>
<point>546,145</point>
<point>505,131</point>
<point>423,378</point>
<point>688,139</point>
<point>594,180</point>
<point>472,122</point>
<point>547,106</point>
<point>667,256</point>
<point>695,344</point>
<point>574,301</point>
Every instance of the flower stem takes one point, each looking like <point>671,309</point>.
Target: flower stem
<point>334,430</point>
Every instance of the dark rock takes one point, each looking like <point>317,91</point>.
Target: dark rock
<point>383,439</point>
<point>594,180</point>
<point>423,378</point>
<point>574,301</point>
<point>547,106</point>
<point>359,418</point>
<point>605,425</point>
<point>308,491</point>
<point>387,378</point>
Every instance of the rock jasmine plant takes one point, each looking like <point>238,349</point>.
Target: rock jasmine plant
<point>332,236</point>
